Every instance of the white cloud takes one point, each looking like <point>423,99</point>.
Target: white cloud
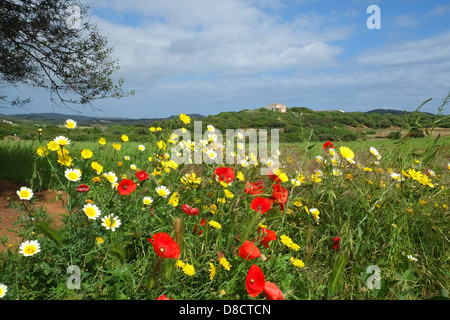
<point>230,37</point>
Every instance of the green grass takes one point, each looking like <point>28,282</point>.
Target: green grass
<point>379,221</point>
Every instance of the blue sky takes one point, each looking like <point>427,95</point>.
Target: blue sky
<point>209,56</point>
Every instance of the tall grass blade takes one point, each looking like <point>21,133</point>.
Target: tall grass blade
<point>336,274</point>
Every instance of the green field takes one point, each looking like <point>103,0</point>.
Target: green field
<point>388,208</point>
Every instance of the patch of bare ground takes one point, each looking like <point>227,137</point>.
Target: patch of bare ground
<point>50,200</point>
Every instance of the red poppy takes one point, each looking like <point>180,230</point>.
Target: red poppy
<point>163,297</point>
<point>261,205</point>
<point>254,281</point>
<point>224,174</point>
<point>272,292</point>
<point>254,187</point>
<point>279,193</point>
<point>126,186</point>
<point>83,188</point>
<point>267,235</point>
<point>336,241</point>
<point>328,145</point>
<point>189,211</point>
<point>165,246</point>
<point>141,175</point>
<point>272,176</point>
<point>248,251</point>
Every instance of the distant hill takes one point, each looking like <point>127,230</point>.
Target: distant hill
<point>57,117</point>
<point>391,111</point>
<point>333,125</point>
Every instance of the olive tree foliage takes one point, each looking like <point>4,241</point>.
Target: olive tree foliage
<point>52,44</point>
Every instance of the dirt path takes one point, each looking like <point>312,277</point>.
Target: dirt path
<point>9,215</point>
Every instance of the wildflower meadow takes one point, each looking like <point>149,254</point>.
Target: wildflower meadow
<point>328,220</point>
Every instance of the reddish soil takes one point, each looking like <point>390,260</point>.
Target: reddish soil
<point>50,200</point>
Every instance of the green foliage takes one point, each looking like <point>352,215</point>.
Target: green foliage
<point>396,222</point>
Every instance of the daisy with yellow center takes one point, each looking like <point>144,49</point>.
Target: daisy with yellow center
<point>315,213</point>
<point>25,193</point>
<point>91,210</point>
<point>211,154</point>
<point>337,172</point>
<point>111,222</point>
<point>111,177</point>
<point>70,124</point>
<point>73,174</point>
<point>162,191</point>
<point>3,290</point>
<point>62,141</point>
<point>147,201</point>
<point>141,147</point>
<point>29,248</point>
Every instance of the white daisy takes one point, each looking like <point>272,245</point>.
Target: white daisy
<point>61,140</point>
<point>29,248</point>
<point>72,174</point>
<point>162,191</point>
<point>70,124</point>
<point>111,222</point>
<point>147,201</point>
<point>25,193</point>
<point>91,210</point>
<point>3,290</point>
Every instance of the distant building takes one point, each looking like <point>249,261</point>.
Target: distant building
<point>276,107</point>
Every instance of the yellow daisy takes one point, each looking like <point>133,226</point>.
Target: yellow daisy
<point>185,118</point>
<point>346,152</point>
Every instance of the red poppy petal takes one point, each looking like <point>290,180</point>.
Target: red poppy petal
<point>165,246</point>
<point>272,292</point>
<point>254,281</point>
<point>248,251</point>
